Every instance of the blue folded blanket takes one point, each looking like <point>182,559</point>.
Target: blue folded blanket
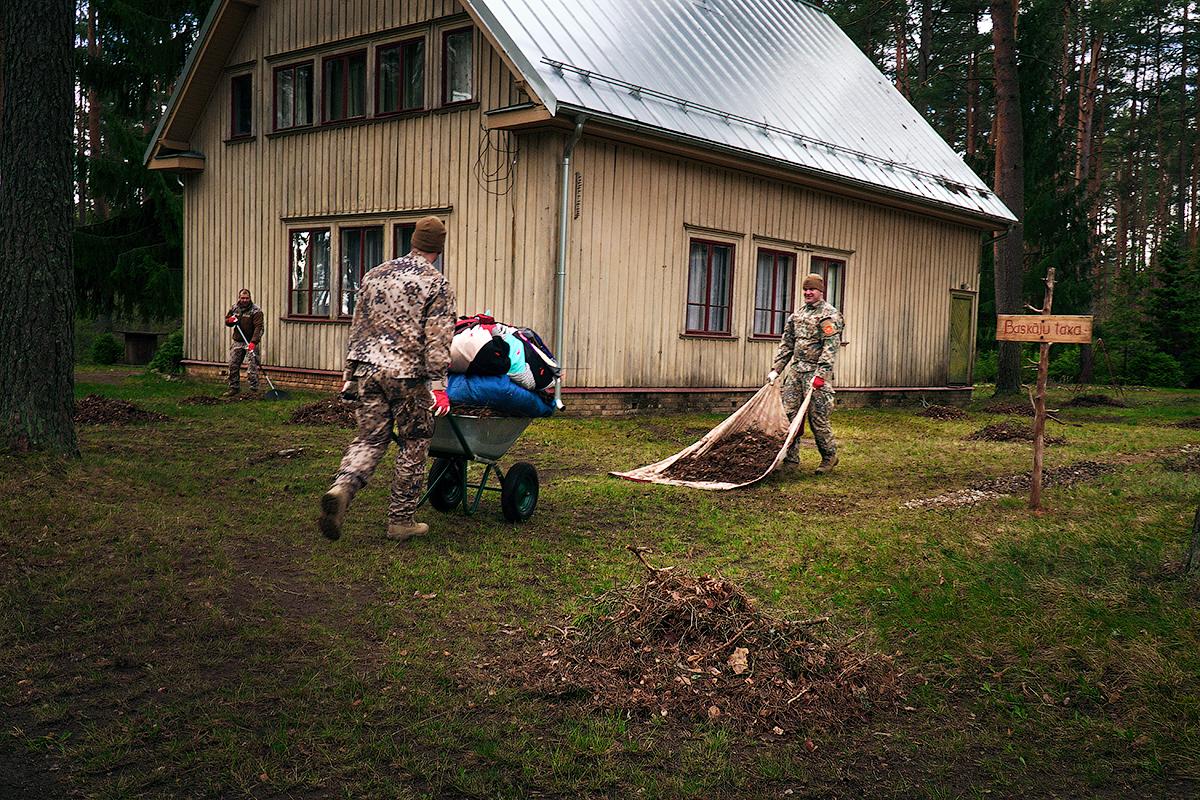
<point>498,392</point>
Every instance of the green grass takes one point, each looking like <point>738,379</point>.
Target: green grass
<point>172,625</point>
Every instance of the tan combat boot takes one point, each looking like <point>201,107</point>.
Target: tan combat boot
<point>403,531</point>
<point>333,510</point>
<point>827,464</point>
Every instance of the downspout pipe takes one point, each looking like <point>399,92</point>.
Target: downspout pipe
<point>560,272</point>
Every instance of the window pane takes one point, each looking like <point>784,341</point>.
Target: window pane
<point>762,281</point>
<point>695,318</point>
<point>304,87</point>
<point>242,104</point>
<point>414,75</point>
<point>720,276</point>
<point>299,276</point>
<point>320,272</point>
<point>372,249</point>
<point>698,275</point>
<point>358,85</point>
<point>389,80</point>
<point>351,268</point>
<point>402,241</point>
<point>334,90</point>
<point>784,281</point>
<point>458,66</point>
<point>283,99</point>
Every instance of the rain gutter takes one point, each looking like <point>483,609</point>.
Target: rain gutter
<point>560,273</point>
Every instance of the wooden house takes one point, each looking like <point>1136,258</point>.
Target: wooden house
<point>643,181</point>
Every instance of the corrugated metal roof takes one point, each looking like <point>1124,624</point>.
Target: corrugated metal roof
<point>776,79</point>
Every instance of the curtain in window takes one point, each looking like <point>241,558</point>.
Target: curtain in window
<point>414,75</point>
<point>458,67</point>
<point>362,250</point>
<point>697,286</point>
<point>310,273</point>
<point>284,99</point>
<point>357,86</point>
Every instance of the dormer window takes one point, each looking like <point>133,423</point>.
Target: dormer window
<point>344,86</point>
<point>458,66</point>
<point>293,96</point>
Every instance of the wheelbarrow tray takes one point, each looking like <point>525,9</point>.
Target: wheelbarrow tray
<point>477,438</point>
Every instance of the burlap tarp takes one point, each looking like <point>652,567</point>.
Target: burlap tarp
<point>762,412</point>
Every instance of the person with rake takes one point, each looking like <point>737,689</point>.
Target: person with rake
<point>396,364</point>
<point>246,320</point>
<point>807,351</point>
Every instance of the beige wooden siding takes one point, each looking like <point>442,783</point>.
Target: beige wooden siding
<point>628,274</point>
<point>239,210</point>
<point>628,250</point>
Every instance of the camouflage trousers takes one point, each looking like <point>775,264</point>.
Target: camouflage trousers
<point>795,386</point>
<point>238,352</point>
<point>388,400</point>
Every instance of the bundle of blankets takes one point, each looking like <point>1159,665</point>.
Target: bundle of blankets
<point>501,367</point>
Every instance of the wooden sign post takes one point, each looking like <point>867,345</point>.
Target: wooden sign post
<point>1044,328</point>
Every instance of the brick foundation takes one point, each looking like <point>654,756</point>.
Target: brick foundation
<point>617,403</point>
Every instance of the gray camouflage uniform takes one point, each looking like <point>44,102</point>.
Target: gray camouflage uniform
<point>809,347</point>
<point>399,348</point>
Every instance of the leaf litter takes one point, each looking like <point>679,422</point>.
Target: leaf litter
<point>679,645</point>
<point>993,488</point>
<point>1010,432</point>
<point>943,413</point>
<point>330,411</point>
<point>97,410</point>
<point>736,458</point>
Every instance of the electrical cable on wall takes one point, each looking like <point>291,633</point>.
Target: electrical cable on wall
<point>495,163</point>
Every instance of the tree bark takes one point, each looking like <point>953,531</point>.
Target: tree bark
<point>36,340</point>
<point>1087,110</point>
<point>94,107</point>
<point>902,53</point>
<point>1010,185</point>
<point>925,46</point>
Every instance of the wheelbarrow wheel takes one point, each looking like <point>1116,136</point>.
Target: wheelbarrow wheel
<point>446,488</point>
<point>519,492</point>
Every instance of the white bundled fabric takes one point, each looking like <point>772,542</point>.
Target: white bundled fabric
<point>762,412</point>
<point>466,345</point>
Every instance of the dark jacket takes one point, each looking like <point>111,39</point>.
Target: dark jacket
<point>250,322</point>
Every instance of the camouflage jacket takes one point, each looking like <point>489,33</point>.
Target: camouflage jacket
<point>249,320</point>
<point>403,322</point>
<point>811,339</point>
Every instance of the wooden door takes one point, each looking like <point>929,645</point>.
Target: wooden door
<point>962,338</point>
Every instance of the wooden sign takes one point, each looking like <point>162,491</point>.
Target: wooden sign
<point>1043,328</point>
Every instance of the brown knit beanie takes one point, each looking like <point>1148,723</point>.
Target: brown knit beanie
<point>814,281</point>
<point>429,235</point>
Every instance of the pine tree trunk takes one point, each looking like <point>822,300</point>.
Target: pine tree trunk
<point>36,341</point>
<point>925,46</point>
<point>1010,185</point>
<point>902,54</point>
<point>94,109</point>
<point>973,94</point>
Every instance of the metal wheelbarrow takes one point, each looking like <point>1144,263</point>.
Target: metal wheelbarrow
<point>459,440</point>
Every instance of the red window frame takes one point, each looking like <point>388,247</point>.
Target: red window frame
<point>246,82</point>
<point>775,308</point>
<point>344,114</point>
<point>275,95</point>
<point>708,305</point>
<point>820,266</point>
<point>446,101</point>
<point>362,252</point>
<point>292,311</point>
<point>402,47</point>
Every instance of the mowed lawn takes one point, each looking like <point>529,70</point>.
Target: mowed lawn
<point>172,625</point>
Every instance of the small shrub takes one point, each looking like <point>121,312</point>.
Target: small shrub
<point>106,349</point>
<point>167,359</point>
<point>986,366</point>
<point>1064,365</point>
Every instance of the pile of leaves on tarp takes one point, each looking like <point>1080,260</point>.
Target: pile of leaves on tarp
<point>697,647</point>
<point>737,458</point>
<point>1010,432</point>
<point>943,412</point>
<point>97,410</point>
<point>331,411</point>
<point>1016,407</point>
<point>1094,400</point>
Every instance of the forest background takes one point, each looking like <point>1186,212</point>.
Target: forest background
<point>1094,127</point>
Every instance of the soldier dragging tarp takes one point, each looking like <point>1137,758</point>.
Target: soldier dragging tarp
<point>396,364</point>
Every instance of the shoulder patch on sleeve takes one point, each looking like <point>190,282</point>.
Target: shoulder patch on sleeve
<point>828,328</point>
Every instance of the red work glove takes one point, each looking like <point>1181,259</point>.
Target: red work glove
<point>441,403</point>
<point>252,345</point>
<point>818,382</point>
<point>231,320</point>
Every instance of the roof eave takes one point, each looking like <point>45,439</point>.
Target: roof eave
<point>969,216</point>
